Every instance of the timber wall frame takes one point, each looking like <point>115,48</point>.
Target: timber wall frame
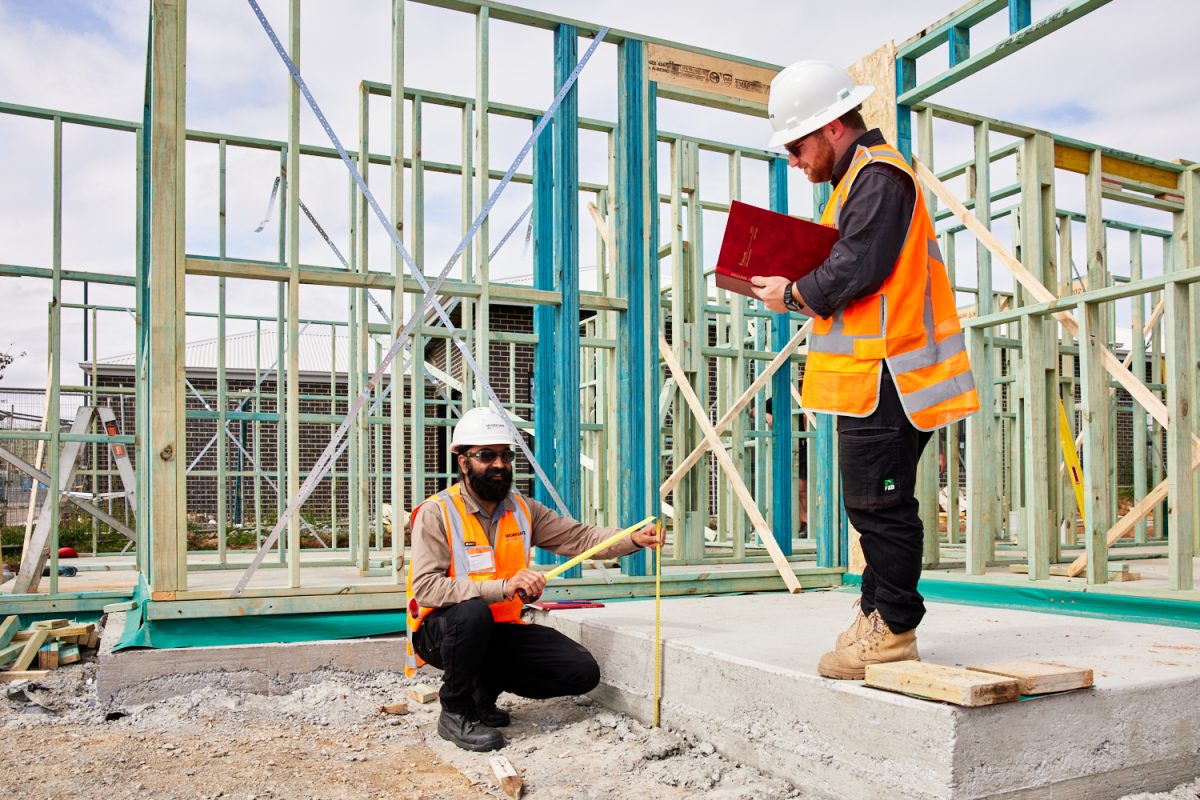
<point>608,448</point>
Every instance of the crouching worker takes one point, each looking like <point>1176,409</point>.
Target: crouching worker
<point>470,556</point>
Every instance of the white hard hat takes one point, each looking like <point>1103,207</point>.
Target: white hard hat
<point>480,426</point>
<point>807,95</point>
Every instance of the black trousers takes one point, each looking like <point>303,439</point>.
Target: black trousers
<point>877,457</point>
<point>481,658</point>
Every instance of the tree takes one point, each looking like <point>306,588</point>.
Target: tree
<point>7,357</point>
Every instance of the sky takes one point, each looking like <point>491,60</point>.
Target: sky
<point>1109,78</point>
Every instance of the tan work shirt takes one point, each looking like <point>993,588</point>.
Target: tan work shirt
<point>434,588</point>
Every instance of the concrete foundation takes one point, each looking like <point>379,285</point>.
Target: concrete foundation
<point>143,676</point>
<point>740,672</point>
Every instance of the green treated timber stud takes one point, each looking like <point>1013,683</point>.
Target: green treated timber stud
<point>1022,38</point>
<point>959,40</point>
<point>783,487</point>
<point>831,537</point>
<point>966,17</point>
<point>639,446</point>
<point>544,328</point>
<point>566,274</point>
<point>1019,15</point>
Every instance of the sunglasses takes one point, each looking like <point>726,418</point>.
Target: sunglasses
<point>488,456</point>
<point>796,145</point>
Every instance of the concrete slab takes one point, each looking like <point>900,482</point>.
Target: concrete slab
<point>142,676</point>
<point>740,672</point>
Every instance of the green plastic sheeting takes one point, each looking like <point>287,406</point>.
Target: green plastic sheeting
<point>1100,605</point>
<point>253,629</point>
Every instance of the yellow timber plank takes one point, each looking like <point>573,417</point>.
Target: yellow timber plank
<point>962,687</point>
<point>32,646</point>
<point>1074,159</point>
<point>1040,677</point>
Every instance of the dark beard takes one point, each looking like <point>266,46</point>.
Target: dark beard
<point>492,484</point>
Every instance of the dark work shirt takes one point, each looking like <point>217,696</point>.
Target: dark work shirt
<point>872,225</point>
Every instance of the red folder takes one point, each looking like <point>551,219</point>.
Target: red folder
<point>763,242</point>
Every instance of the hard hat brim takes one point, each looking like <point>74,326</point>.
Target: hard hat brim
<point>829,114</point>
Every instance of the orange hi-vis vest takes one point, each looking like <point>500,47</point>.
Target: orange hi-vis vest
<point>473,558</point>
<point>911,322</point>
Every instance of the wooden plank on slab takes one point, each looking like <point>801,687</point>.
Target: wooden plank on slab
<point>962,687</point>
<point>1039,677</point>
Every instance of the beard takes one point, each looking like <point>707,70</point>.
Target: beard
<point>820,168</point>
<point>492,483</point>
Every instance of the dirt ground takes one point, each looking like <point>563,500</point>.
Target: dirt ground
<point>328,739</point>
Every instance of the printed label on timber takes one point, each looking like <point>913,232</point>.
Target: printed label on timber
<point>709,74</point>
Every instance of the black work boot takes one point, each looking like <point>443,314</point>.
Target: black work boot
<point>493,717</point>
<point>468,733</point>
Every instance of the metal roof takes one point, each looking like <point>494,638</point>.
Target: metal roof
<point>318,348</point>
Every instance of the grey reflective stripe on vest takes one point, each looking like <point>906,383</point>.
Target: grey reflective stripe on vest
<point>837,340</point>
<point>930,396</point>
<point>933,352</point>
<point>458,543</point>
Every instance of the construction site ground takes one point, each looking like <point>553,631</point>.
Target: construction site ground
<point>321,734</point>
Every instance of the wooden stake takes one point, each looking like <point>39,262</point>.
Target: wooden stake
<point>510,780</point>
<point>422,693</point>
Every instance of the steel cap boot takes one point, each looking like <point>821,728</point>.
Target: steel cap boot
<point>493,717</point>
<point>468,733</point>
<point>878,646</point>
<point>857,630</point>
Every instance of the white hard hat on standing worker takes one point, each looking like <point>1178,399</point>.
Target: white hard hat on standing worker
<point>807,95</point>
<point>481,426</point>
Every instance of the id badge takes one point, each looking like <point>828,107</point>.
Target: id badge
<point>480,559</point>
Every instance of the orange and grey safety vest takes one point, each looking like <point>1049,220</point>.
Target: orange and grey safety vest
<point>474,558</point>
<point>910,322</point>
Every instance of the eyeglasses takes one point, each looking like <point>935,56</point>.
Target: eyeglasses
<point>488,456</point>
<point>796,145</point>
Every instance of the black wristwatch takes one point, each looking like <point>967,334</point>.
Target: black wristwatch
<point>789,299</point>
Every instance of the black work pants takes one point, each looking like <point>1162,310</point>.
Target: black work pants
<point>877,457</point>
<point>481,658</point>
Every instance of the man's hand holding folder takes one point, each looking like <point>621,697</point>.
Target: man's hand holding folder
<point>763,252</point>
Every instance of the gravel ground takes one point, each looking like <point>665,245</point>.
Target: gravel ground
<point>327,738</point>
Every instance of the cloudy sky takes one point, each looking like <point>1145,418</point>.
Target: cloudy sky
<point>1106,78</point>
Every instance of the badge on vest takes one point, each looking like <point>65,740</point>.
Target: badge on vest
<point>480,559</point>
<point>889,485</point>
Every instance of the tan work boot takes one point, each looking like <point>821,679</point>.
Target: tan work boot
<point>858,629</point>
<point>878,646</point>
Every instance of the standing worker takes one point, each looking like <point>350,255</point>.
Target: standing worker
<point>886,352</point>
<point>470,556</point>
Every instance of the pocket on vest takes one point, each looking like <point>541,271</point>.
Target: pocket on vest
<point>874,472</point>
